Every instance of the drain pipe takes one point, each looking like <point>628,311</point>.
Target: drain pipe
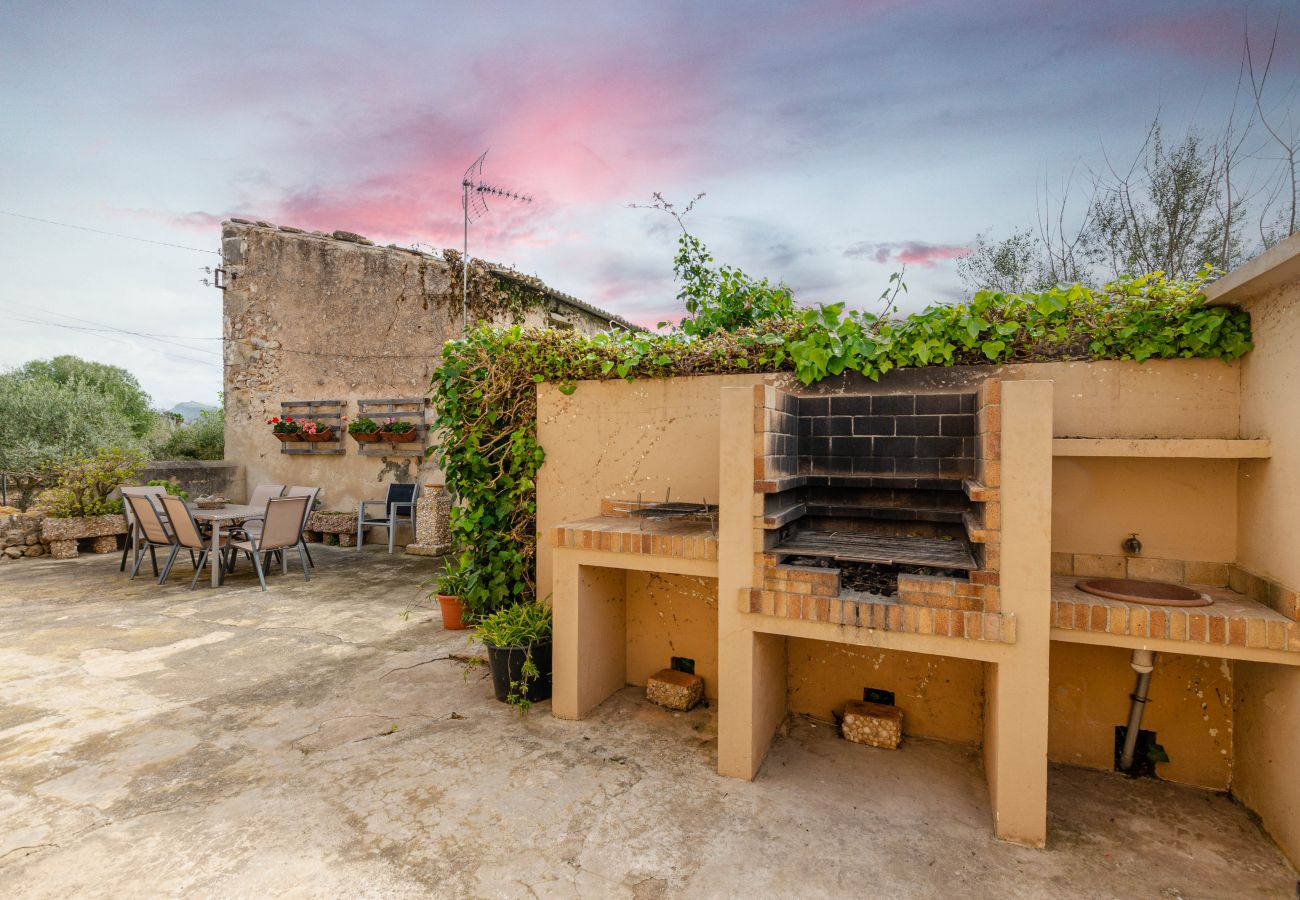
<point>1143,662</point>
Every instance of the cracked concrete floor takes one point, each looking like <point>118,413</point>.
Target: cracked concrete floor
<point>308,742</point>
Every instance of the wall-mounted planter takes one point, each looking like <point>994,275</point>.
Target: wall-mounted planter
<point>365,437</point>
<point>325,435</point>
<point>326,414</point>
<point>405,437</point>
<point>287,437</point>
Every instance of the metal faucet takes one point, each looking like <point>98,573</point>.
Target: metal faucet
<point>1132,546</point>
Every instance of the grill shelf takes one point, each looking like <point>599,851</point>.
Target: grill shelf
<point>890,549</point>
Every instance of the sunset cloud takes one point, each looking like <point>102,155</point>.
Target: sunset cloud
<point>907,253</point>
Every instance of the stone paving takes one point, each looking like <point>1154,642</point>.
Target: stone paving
<point>312,741</point>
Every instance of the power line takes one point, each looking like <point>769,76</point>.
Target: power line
<point>104,326</point>
<point>129,237</point>
<point>98,331</point>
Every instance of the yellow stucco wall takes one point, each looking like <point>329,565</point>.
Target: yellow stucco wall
<point>672,615</point>
<point>1190,711</point>
<point>1181,508</point>
<point>1268,541</point>
<point>941,697</point>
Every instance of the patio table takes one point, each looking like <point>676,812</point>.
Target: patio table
<point>231,512</point>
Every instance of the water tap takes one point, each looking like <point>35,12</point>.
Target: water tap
<point>1132,546</point>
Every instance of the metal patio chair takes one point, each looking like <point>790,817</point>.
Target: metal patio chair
<point>281,530</point>
<point>399,509</point>
<point>254,526</point>
<point>186,533</point>
<point>152,530</point>
<point>132,530</point>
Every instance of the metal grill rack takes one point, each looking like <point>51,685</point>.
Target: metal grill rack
<point>409,409</point>
<point>323,412</point>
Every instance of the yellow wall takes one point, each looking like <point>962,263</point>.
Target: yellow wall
<point>1190,711</point>
<point>672,615</point>
<point>941,697</point>
<point>1182,398</point>
<point>1268,697</point>
<point>1180,508</point>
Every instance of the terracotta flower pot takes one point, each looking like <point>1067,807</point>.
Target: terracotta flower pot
<point>287,436</point>
<point>325,435</point>
<point>452,612</point>
<point>364,437</point>
<point>402,438</point>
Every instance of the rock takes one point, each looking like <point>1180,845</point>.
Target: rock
<point>63,549</point>
<point>35,551</point>
<point>75,528</point>
<point>32,538</point>
<point>873,724</point>
<point>104,544</point>
<point>347,540</point>
<point>674,690</point>
<point>13,552</point>
<point>353,237</point>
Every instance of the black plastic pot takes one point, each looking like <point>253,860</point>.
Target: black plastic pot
<point>507,665</point>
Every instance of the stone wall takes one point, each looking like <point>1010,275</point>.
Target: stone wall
<point>311,316</point>
<point>200,477</point>
<point>20,537</point>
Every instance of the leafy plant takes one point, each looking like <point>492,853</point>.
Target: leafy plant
<point>204,438</point>
<point>84,485</point>
<point>522,625</point>
<point>284,425</point>
<point>362,425</point>
<point>172,488</point>
<point>314,428</point>
<point>485,397</point>
<point>396,426</point>
<point>451,582</point>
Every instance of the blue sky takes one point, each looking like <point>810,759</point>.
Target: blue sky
<point>836,141</point>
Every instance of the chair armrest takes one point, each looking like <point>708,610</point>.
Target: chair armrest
<point>364,503</point>
<point>407,505</point>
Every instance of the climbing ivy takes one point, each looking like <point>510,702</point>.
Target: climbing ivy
<point>485,387</point>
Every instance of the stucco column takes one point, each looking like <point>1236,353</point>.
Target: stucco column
<point>751,666</point>
<point>1016,686</point>
<point>590,626</point>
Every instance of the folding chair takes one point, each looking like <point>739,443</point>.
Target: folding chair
<point>399,497</point>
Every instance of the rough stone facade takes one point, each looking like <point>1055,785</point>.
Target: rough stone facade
<point>312,316</point>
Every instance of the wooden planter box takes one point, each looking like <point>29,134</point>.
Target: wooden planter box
<point>404,438</point>
<point>287,437</point>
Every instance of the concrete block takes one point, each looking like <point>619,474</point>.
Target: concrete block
<point>674,690</point>
<point>873,724</point>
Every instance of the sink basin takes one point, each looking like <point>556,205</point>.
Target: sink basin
<point>1154,593</point>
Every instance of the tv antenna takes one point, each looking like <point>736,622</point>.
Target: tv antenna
<point>473,199</point>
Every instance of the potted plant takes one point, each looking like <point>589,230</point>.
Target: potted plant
<point>451,584</point>
<point>285,428</point>
<point>363,429</point>
<point>314,431</point>
<point>396,431</point>
<point>518,640</point>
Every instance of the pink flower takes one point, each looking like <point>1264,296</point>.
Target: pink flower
<point>389,420</point>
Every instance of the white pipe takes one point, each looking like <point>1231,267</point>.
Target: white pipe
<point>1143,662</point>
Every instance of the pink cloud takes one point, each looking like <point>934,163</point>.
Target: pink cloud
<point>908,253</point>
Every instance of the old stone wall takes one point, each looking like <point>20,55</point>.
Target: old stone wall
<point>311,316</point>
<point>200,477</point>
<point>20,537</point>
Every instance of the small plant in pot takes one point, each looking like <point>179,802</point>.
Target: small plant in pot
<point>363,429</point>
<point>397,431</point>
<point>451,584</point>
<point>285,428</point>
<point>314,431</point>
<point>518,640</point>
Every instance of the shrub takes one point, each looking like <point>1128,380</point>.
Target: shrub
<point>44,423</point>
<point>172,488</point>
<point>84,484</point>
<point>204,438</point>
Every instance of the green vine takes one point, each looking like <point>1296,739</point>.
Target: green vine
<point>486,399</point>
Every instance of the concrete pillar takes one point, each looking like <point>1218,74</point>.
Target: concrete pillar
<point>751,666</point>
<point>1016,686</point>
<point>590,621</point>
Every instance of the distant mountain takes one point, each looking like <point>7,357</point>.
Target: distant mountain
<point>190,409</point>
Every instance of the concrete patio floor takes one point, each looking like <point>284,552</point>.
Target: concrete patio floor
<point>311,742</point>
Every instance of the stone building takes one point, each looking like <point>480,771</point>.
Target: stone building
<point>335,321</point>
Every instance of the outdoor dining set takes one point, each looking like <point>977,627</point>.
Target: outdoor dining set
<point>270,524</point>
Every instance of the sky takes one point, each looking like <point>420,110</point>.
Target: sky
<point>836,142</point>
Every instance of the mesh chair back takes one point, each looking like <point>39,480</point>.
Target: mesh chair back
<point>154,530</point>
<point>150,491</point>
<point>302,490</point>
<point>182,522</point>
<point>283,524</point>
<point>399,493</point>
<point>263,493</point>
